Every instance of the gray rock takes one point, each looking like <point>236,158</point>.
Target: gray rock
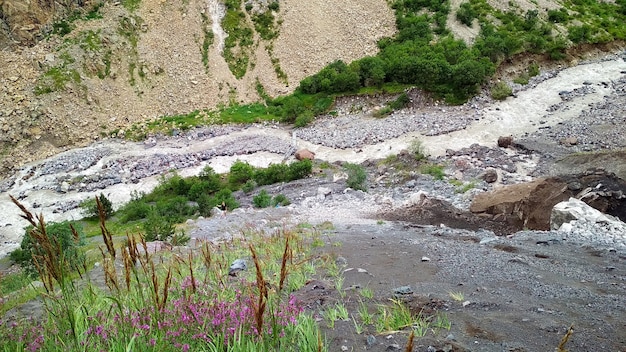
<point>237,266</point>
<point>403,290</point>
<point>323,192</point>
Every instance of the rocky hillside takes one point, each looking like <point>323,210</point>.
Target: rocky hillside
<point>106,65</point>
<point>80,71</point>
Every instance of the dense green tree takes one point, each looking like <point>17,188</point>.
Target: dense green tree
<point>371,70</point>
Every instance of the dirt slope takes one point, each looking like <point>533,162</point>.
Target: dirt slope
<point>168,72</point>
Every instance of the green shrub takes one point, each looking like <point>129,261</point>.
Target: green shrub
<point>180,239</point>
<point>240,173</point>
<point>249,186</point>
<point>556,49</point>
<point>225,197</point>
<point>533,69</point>
<point>558,16</point>
<point>304,118</point>
<point>466,14</point>
<point>274,173</point>
<point>417,150</point>
<point>523,79</point>
<point>400,102</point>
<point>356,176</point>
<point>262,199</point>
<point>157,227</point>
<point>212,178</point>
<point>580,34</point>
<point>206,204</point>
<point>134,210</point>
<point>336,77</point>
<point>170,185</point>
<point>175,209</point>
<point>299,170</point>
<point>501,91</point>
<point>280,199</point>
<point>90,207</point>
<point>197,189</point>
<point>58,234</point>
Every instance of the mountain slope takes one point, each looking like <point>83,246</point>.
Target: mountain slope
<point>127,64</point>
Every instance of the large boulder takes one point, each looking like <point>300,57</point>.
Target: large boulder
<point>303,154</point>
<point>529,205</point>
<point>575,209</point>
<point>524,205</point>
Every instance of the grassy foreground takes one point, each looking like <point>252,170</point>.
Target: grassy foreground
<point>174,300</point>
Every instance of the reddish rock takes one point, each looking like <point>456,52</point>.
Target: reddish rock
<point>305,154</point>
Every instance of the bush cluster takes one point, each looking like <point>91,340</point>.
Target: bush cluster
<point>90,207</point>
<point>59,234</point>
<point>264,200</point>
<point>176,198</point>
<point>356,176</point>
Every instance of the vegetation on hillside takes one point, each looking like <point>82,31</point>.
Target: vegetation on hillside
<point>425,54</point>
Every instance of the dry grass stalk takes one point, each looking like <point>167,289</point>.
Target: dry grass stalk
<point>166,289</point>
<point>259,309</point>
<point>320,345</point>
<point>76,238</point>
<point>193,279</point>
<point>409,346</point>
<point>106,235</point>
<point>110,275</point>
<point>283,264</point>
<point>145,258</point>
<point>131,243</point>
<point>47,254</point>
<point>155,284</point>
<point>127,266</point>
<point>561,347</point>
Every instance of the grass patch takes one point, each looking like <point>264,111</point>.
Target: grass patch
<point>397,316</point>
<point>435,170</point>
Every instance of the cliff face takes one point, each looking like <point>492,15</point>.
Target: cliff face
<point>73,73</point>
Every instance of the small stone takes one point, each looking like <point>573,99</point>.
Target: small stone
<point>393,347</point>
<point>569,141</point>
<point>371,340</point>
<point>403,290</point>
<point>341,261</point>
<point>344,348</point>
<point>490,175</point>
<point>425,259</point>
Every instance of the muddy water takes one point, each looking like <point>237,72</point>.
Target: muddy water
<point>514,116</point>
